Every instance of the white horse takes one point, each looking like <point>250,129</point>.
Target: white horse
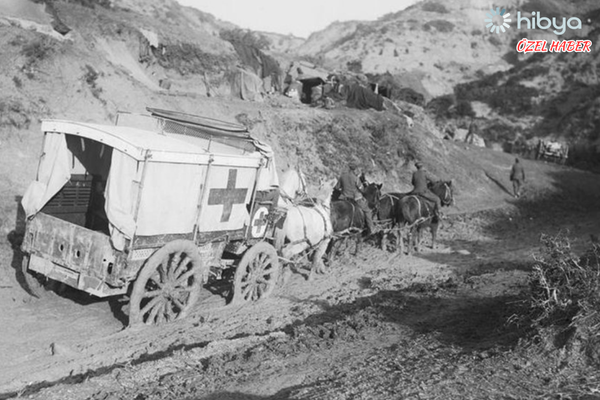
<point>292,184</point>
<point>307,228</point>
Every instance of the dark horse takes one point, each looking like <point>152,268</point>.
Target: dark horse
<point>389,215</point>
<point>348,219</point>
<point>417,212</point>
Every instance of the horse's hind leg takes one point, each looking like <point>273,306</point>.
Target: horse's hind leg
<point>418,239</point>
<point>399,240</point>
<point>358,241</point>
<point>434,229</point>
<point>317,265</point>
<point>410,237</point>
<point>384,240</point>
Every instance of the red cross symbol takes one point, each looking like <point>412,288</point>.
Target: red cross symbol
<point>259,222</point>
<point>228,196</point>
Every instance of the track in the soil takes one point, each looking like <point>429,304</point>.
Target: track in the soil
<point>74,337</point>
<point>90,339</point>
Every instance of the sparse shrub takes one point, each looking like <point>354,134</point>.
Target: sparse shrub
<point>38,50</point>
<point>464,109</point>
<point>17,82</point>
<point>188,58</point>
<point>440,25</point>
<point>354,66</point>
<point>476,32</point>
<point>90,77</point>
<point>565,295</point>
<point>435,7</point>
<point>410,96</point>
<point>246,37</point>
<point>494,40</point>
<point>17,41</point>
<point>92,3</point>
<point>13,114</point>
<point>440,106</point>
<point>360,142</point>
<point>511,97</point>
<point>395,53</point>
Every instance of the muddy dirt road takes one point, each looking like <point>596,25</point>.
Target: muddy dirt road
<point>378,325</point>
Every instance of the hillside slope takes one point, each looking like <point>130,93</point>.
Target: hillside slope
<point>96,71</point>
<point>440,44</point>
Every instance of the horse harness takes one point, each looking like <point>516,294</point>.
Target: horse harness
<point>420,204</point>
<point>323,216</point>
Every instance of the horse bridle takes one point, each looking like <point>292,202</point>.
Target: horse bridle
<point>302,182</point>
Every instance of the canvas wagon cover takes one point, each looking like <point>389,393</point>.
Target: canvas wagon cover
<point>155,184</point>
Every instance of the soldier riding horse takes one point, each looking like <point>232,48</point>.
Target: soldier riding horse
<point>418,212</point>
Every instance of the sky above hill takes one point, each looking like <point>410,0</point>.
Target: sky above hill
<point>300,18</point>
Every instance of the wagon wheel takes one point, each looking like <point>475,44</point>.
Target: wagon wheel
<point>256,274</point>
<point>38,285</point>
<point>168,285</point>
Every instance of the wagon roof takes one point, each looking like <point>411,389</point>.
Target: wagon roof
<point>138,143</point>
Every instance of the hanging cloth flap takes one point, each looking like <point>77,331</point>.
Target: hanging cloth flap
<point>53,173</point>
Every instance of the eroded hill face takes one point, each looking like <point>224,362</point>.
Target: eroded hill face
<point>103,66</point>
<point>439,43</point>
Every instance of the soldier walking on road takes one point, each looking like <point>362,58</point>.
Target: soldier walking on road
<point>517,176</point>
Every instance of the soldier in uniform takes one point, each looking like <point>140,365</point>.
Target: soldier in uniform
<point>517,176</point>
<point>349,186</point>
<point>420,179</point>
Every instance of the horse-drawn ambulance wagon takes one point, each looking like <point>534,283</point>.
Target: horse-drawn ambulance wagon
<point>150,207</point>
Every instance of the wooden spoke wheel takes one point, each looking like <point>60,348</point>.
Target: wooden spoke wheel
<point>256,274</point>
<point>168,285</point>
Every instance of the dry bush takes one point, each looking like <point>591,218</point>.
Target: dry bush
<point>440,25</point>
<point>565,296</point>
<point>435,7</point>
<point>13,114</point>
<point>38,50</point>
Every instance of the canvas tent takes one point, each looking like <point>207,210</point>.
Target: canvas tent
<point>245,85</point>
<point>363,98</point>
<point>301,70</point>
<point>262,64</point>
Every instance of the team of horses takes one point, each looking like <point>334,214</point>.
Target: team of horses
<point>315,227</point>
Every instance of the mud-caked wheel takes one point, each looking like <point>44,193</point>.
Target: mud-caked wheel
<point>256,274</point>
<point>168,285</point>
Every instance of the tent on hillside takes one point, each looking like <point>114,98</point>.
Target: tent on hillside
<point>311,77</point>
<point>301,70</point>
<point>363,98</point>
<point>263,65</point>
<point>245,85</point>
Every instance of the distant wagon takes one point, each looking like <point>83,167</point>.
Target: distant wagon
<point>554,151</point>
<point>152,211</point>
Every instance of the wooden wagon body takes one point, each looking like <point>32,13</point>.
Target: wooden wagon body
<point>149,207</point>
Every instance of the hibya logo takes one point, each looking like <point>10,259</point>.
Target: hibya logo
<point>538,22</point>
<point>497,20</point>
